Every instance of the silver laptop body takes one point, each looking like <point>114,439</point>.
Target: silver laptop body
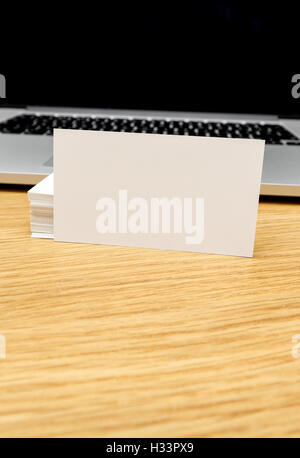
<point>26,159</point>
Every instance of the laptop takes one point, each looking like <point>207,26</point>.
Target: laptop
<point>220,69</point>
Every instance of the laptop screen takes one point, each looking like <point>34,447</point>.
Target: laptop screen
<point>218,56</point>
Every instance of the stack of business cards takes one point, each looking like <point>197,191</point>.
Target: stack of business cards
<point>41,208</point>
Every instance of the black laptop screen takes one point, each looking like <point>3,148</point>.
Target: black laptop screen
<point>224,56</point>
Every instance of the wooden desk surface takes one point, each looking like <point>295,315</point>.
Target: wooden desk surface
<point>106,341</point>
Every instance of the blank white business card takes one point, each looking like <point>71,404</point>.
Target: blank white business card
<point>157,191</point>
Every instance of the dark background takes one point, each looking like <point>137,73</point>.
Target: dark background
<point>226,56</point>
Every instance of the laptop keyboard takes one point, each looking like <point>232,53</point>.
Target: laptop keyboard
<point>28,124</point>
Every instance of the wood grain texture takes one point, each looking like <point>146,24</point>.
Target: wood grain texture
<point>122,342</point>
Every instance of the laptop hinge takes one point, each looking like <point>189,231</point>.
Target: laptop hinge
<point>12,105</point>
<point>289,116</point>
